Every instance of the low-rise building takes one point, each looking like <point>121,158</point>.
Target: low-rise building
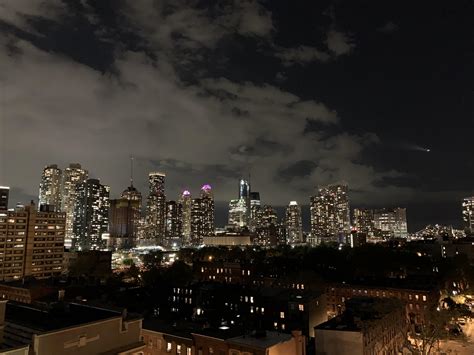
<point>367,326</point>
<point>71,328</point>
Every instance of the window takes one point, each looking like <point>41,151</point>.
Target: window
<point>178,349</point>
<point>301,307</point>
<point>416,297</point>
<point>424,298</point>
<point>282,315</point>
<point>211,351</point>
<point>169,347</point>
<point>188,351</point>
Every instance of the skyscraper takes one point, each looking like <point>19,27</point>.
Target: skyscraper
<point>266,227</point>
<point>391,223</point>
<point>255,211</point>
<point>4,193</point>
<point>207,199</point>
<point>72,176</point>
<point>330,218</point>
<point>202,216</point>
<point>124,219</point>
<point>50,187</point>
<point>293,223</point>
<point>237,213</point>
<point>364,221</point>
<point>186,204</point>
<point>91,215</point>
<point>156,208</point>
<point>468,214</point>
<point>174,227</point>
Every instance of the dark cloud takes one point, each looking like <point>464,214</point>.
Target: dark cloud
<point>210,92</point>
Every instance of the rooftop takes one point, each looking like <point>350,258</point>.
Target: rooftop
<point>360,310</point>
<point>263,341</point>
<point>57,316</point>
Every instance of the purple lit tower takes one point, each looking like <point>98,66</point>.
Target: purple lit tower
<point>186,203</point>
<point>202,215</point>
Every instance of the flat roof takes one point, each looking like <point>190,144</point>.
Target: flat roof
<point>265,341</point>
<point>57,316</point>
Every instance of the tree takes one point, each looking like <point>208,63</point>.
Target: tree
<point>437,326</point>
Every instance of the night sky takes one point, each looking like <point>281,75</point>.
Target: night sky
<point>298,93</point>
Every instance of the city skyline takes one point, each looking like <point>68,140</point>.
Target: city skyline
<point>297,98</point>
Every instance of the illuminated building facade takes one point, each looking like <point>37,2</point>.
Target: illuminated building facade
<point>468,214</point>
<point>237,213</point>
<point>330,218</point>
<point>186,204</point>
<point>202,216</point>
<point>72,176</point>
<point>293,223</point>
<point>255,211</point>
<point>174,227</point>
<point>364,221</point>
<point>4,193</point>
<point>391,223</point>
<point>91,215</point>
<point>156,208</point>
<point>207,199</point>
<point>32,242</point>
<point>50,187</point>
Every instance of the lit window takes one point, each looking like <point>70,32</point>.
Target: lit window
<point>275,325</point>
<point>178,349</point>
<point>424,298</point>
<point>168,347</point>
<point>301,307</point>
<point>283,327</point>
<point>282,315</point>
<point>188,351</point>
<point>416,297</point>
<point>251,299</point>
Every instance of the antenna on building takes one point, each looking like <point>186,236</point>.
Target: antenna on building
<point>131,171</point>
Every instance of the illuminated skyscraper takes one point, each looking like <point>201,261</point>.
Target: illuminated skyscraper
<point>72,176</point>
<point>330,219</point>
<point>237,213</point>
<point>174,227</point>
<point>266,227</point>
<point>91,215</point>
<point>208,210</point>
<point>364,221</point>
<point>4,192</point>
<point>468,214</point>
<point>186,204</point>
<point>255,211</point>
<point>293,223</point>
<point>156,208</point>
<point>202,216</point>
<point>391,223</point>
<point>50,187</point>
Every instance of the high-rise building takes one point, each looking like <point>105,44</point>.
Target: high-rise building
<point>32,242</point>
<point>4,193</point>
<point>293,223</point>
<point>91,215</point>
<point>255,211</point>
<point>186,204</point>
<point>468,214</point>
<point>267,229</point>
<point>330,218</point>
<point>391,223</point>
<point>237,213</point>
<point>156,208</point>
<point>50,187</point>
<point>72,176</point>
<point>197,210</point>
<point>174,226</point>
<point>364,221</point>
<point>207,199</point>
<point>124,219</point>
<point>202,216</point>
